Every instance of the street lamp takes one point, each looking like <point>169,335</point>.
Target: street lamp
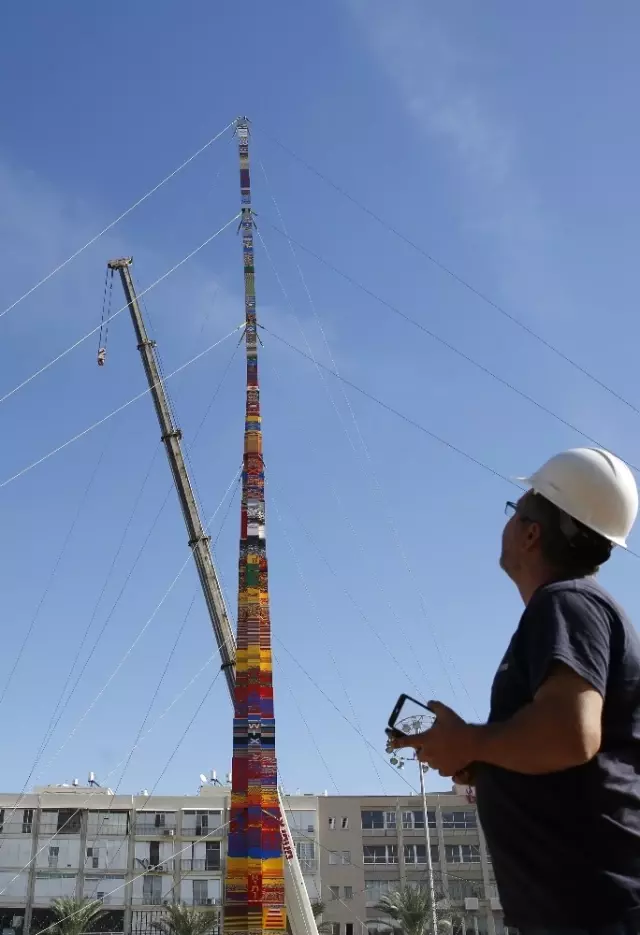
<point>418,724</point>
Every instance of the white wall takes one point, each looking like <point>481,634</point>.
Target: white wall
<point>112,887</point>
<point>167,885</point>
<point>112,853</point>
<point>14,890</point>
<point>50,887</point>
<point>103,823</point>
<point>15,852</point>
<point>68,853</point>
<point>214,889</point>
<point>189,822</point>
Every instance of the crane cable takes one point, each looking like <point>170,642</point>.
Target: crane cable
<point>106,317</point>
<point>117,220</point>
<point>124,308</point>
<point>452,274</point>
<point>446,666</point>
<point>116,411</point>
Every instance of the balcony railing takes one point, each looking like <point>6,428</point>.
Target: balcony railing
<point>152,899</point>
<point>308,864</point>
<point>109,899</point>
<point>150,828</point>
<point>52,827</point>
<point>162,866</point>
<point>206,901</point>
<point>201,831</point>
<point>201,863</point>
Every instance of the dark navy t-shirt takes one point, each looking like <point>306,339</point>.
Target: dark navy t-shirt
<point>566,845</point>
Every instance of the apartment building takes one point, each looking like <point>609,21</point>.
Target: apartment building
<point>136,853</point>
<point>371,845</point>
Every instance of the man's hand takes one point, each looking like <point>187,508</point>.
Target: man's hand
<point>445,747</point>
<point>448,746</point>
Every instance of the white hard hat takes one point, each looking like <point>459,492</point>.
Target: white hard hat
<point>594,487</point>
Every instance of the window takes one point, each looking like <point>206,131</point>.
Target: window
<point>346,857</point>
<point>415,820</point>
<point>344,823</point>
<point>332,824</point>
<point>212,855</point>
<point>374,890</point>
<point>380,854</point>
<point>306,851</point>
<point>154,853</point>
<point>334,858</point>
<point>417,854</point>
<point>348,928</point>
<point>378,820</point>
<point>334,928</point>
<point>460,890</point>
<point>459,820</point>
<point>1,819</point>
<point>152,889</point>
<point>200,892</point>
<point>302,821</point>
<point>27,820</point>
<point>335,892</point>
<point>348,892</point>
<point>54,853</point>
<point>69,821</point>
<point>462,853</point>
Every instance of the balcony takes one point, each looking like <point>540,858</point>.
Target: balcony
<point>164,866</point>
<point>150,829</point>
<point>308,864</point>
<point>206,901</point>
<point>202,831</point>
<point>152,899</point>
<point>53,827</point>
<point>201,863</point>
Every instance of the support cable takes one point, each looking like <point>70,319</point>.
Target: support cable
<point>124,658</point>
<point>141,633</point>
<point>54,570</point>
<point>57,715</point>
<point>117,220</point>
<point>116,411</point>
<point>372,472</point>
<point>453,275</point>
<point>124,308</point>
<point>164,673</point>
<point>451,347</point>
<point>330,652</point>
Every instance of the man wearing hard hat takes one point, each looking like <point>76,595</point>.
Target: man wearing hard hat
<point>557,766</point>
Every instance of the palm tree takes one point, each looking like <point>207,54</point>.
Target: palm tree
<point>318,907</point>
<point>74,916</point>
<point>408,909</point>
<point>185,920</point>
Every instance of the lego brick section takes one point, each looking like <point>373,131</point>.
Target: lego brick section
<point>254,891</point>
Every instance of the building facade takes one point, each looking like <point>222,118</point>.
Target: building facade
<point>371,845</point>
<point>137,853</point>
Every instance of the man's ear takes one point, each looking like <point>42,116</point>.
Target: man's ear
<point>532,539</point>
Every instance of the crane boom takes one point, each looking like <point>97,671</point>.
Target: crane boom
<point>299,911</point>
<point>171,436</point>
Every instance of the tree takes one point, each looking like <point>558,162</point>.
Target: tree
<point>408,909</point>
<point>74,916</point>
<point>318,907</point>
<point>185,920</point>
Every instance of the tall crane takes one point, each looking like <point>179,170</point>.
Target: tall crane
<point>299,911</point>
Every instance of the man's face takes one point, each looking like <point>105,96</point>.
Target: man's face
<point>516,538</point>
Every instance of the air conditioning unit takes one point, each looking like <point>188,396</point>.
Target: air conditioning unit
<point>169,832</point>
<point>496,905</point>
<point>472,904</point>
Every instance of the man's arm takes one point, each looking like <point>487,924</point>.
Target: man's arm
<point>561,728</point>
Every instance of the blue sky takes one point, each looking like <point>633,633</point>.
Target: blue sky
<point>499,140</point>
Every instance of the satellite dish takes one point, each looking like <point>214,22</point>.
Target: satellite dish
<point>203,779</point>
